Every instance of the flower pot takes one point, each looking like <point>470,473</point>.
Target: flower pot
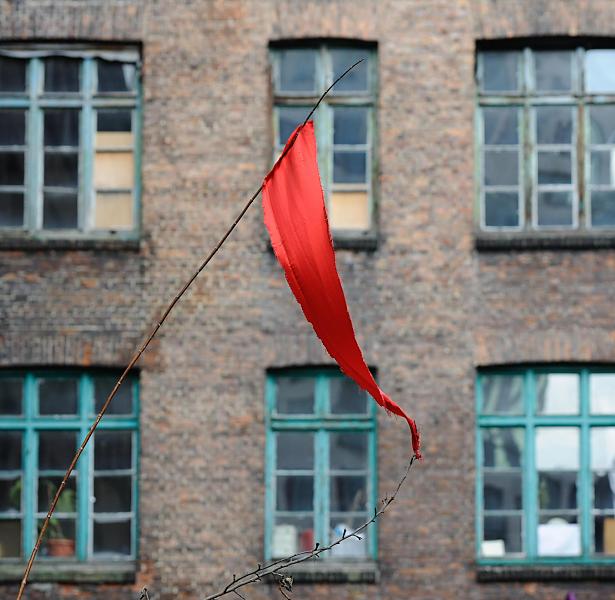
<point>61,547</point>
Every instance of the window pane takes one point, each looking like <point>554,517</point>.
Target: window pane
<point>113,494</point>
<point>11,214</point>
<point>557,490</point>
<point>61,169</point>
<point>554,168</point>
<point>11,168</point>
<point>297,70</point>
<point>295,450</point>
<point>348,450</point>
<point>114,129</point>
<point>604,534</point>
<point>349,210</point>
<point>60,539</point>
<point>559,535</point>
<point>502,394</point>
<point>346,397</point>
<point>349,167</point>
<point>47,489</point>
<point>350,125</point>
<point>10,396</point>
<point>500,125</point>
<point>348,493</point>
<point>56,449</point>
<point>10,495</point>
<point>501,535</point>
<point>114,170</point>
<point>116,76</point>
<point>112,538</point>
<point>554,209</point>
<point>114,210</point>
<point>57,396</point>
<point>60,210</point>
<point>292,535</point>
<point>500,71</point>
<point>351,547</point>
<point>501,167</point>
<point>553,71</point>
<point>295,395</point>
<point>604,495</point>
<point>288,119</point>
<point>294,492</point>
<point>62,74</point>
<point>557,394</point>
<point>12,127</point>
<point>357,79</point>
<point>603,208</point>
<point>601,172</point>
<point>600,71</point>
<point>121,403</point>
<point>602,393</point>
<point>502,447</point>
<point>502,491</point>
<point>12,74</point>
<point>554,125</point>
<point>501,209</point>
<point>602,124</point>
<point>10,538</point>
<point>557,448</point>
<point>112,450</point>
<point>602,459</point>
<point>10,450</point>
<point>61,127</point>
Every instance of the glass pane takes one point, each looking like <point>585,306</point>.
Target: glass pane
<point>350,125</point>
<point>346,397</point>
<point>500,125</point>
<point>501,209</point>
<point>114,170</point>
<point>114,129</point>
<point>288,119</point>
<point>602,393</point>
<point>600,71</point>
<point>348,493</point>
<point>502,491</point>
<point>295,395</point>
<point>554,167</point>
<point>121,403</point>
<point>292,535</point>
<point>500,71</point>
<point>61,169</point>
<point>61,127</point>
<point>12,127</point>
<point>60,211</point>
<point>557,490</point>
<point>57,396</point>
<point>116,76</point>
<point>557,448</point>
<point>349,210</point>
<point>10,396</point>
<point>60,539</point>
<point>554,209</point>
<point>48,488</point>
<point>502,394</point>
<point>553,71</point>
<point>601,172</point>
<point>112,538</point>
<point>351,547</point>
<point>501,535</point>
<point>501,167</point>
<point>11,168</point>
<point>294,492</point>
<point>56,449</point>
<point>11,215</point>
<point>602,124</point>
<point>559,536</point>
<point>295,450</point>
<point>604,494</point>
<point>10,450</point>
<point>12,74</point>
<point>502,447</point>
<point>297,70</point>
<point>604,534</point>
<point>554,125</point>
<point>357,79</point>
<point>62,74</point>
<point>603,209</point>
<point>348,450</point>
<point>113,494</point>
<point>114,211</point>
<point>603,449</point>
<point>349,167</point>
<point>557,394</point>
<point>10,538</point>
<point>10,495</point>
<point>112,450</point>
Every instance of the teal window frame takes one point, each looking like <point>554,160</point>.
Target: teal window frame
<point>528,421</point>
<point>88,100</point>
<point>30,423</point>
<point>321,423</point>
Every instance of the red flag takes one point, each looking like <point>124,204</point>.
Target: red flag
<point>296,219</point>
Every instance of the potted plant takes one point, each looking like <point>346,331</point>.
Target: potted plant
<point>59,544</point>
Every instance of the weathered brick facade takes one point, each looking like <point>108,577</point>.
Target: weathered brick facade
<point>429,308</point>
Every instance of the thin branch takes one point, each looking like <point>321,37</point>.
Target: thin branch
<point>145,344</point>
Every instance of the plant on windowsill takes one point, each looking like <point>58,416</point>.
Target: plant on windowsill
<point>59,544</point>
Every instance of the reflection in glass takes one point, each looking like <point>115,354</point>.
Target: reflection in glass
<point>346,397</point>
<point>295,450</point>
<point>600,71</point>
<point>112,450</point>
<point>501,167</point>
<point>288,119</point>
<point>602,393</point>
<point>349,167</point>
<point>557,394</point>
<point>554,167</point>
<point>555,209</point>
<point>357,79</point>
<point>350,125</point>
<point>501,209</point>
<point>554,124</point>
<point>500,71</point>
<point>602,124</point>
<point>500,125</point>
<point>294,492</point>
<point>601,167</point>
<point>502,394</point>
<point>502,447</point>
<point>603,208</point>
<point>557,448</point>
<point>348,450</point>
<point>553,71</point>
<point>297,70</point>
<point>121,403</point>
<point>557,490</point>
<point>57,396</point>
<point>502,491</point>
<point>295,395</point>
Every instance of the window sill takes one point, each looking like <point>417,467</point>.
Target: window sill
<point>355,240</point>
<point>321,571</point>
<point>569,572</point>
<point>67,572</point>
<point>76,242</point>
<point>543,240</point>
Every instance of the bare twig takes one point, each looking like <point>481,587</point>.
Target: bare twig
<point>146,343</point>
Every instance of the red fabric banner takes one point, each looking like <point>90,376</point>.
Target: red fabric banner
<point>296,219</point>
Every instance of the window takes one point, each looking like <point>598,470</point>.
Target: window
<point>546,130</point>
<point>68,142</point>
<point>345,123</point>
<point>546,465</point>
<point>44,416</point>
<point>321,453</point>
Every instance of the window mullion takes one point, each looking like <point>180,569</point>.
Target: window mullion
<point>84,484</point>
<point>34,153</point>
<point>321,506</point>
<point>584,492</point>
<point>85,198</point>
<point>30,467</point>
<point>530,479</point>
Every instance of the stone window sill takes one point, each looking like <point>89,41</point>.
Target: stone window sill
<point>543,240</point>
<point>355,240</point>
<point>321,571</point>
<point>571,572</point>
<point>74,242</point>
<point>71,572</point>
